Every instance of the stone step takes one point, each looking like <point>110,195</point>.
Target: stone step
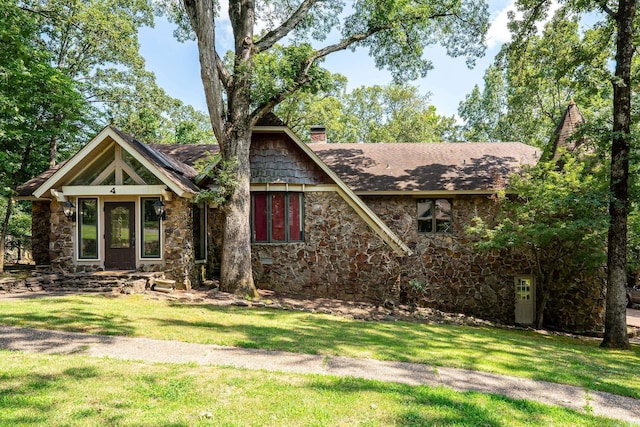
<point>136,282</point>
<point>163,285</point>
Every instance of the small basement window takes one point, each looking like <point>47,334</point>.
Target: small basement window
<point>434,216</point>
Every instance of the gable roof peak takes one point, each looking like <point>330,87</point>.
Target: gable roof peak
<point>571,120</point>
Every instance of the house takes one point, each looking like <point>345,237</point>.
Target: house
<point>377,222</point>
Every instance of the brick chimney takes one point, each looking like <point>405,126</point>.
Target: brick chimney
<point>318,133</point>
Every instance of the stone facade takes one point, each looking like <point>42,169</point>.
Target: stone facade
<point>342,257</point>
<point>580,307</point>
<point>60,238</point>
<point>179,263</point>
<point>446,271</point>
<point>40,231</point>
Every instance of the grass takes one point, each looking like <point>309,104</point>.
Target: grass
<point>511,352</point>
<point>44,390</point>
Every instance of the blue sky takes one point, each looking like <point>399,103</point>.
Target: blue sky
<point>178,72</point>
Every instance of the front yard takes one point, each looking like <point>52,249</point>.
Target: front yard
<point>46,390</point>
<point>526,354</point>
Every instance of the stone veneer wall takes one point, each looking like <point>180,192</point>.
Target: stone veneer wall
<point>40,231</point>
<point>449,272</point>
<point>60,238</point>
<point>581,306</point>
<point>343,258</point>
<point>179,263</point>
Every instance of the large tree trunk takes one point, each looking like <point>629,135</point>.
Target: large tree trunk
<point>235,272</point>
<point>232,127</point>
<point>615,327</point>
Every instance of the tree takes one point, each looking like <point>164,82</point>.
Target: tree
<point>154,117</point>
<point>484,112</point>
<point>615,331</point>
<point>555,213</point>
<point>389,113</point>
<point>395,32</point>
<point>533,79</point>
<point>33,97</point>
<point>396,112</point>
<point>618,25</point>
<point>95,44</point>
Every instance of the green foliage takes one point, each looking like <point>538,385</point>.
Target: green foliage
<point>459,26</point>
<point>560,213</point>
<point>278,70</point>
<point>154,117</point>
<point>223,174</point>
<point>391,113</point>
<point>20,222</point>
<point>533,79</point>
<point>556,214</point>
<point>38,102</point>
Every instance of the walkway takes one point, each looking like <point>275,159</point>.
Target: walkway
<point>577,398</point>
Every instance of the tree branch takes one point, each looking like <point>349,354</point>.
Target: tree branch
<point>604,6</point>
<point>201,16</point>
<point>285,28</point>
<point>303,75</point>
<point>223,73</point>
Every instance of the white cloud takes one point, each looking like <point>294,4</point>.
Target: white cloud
<point>498,32</point>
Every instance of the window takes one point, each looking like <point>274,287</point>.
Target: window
<point>199,232</point>
<point>88,228</point>
<point>434,216</point>
<point>277,217</point>
<point>150,226</point>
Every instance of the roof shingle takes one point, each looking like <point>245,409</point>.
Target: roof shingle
<point>425,167</point>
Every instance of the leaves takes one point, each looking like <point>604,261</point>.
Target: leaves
<point>534,78</point>
<point>391,113</point>
<point>557,215</point>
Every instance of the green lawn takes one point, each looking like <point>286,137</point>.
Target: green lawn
<point>518,353</point>
<point>46,390</point>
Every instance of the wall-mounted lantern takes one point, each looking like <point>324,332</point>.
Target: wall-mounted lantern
<point>69,210</point>
<point>160,209</point>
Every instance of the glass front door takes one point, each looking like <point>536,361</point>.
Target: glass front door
<point>120,238</point>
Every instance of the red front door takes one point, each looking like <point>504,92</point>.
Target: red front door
<point>120,239</point>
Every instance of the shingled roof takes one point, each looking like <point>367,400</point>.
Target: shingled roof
<point>26,190</point>
<point>571,120</point>
<point>425,167</point>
